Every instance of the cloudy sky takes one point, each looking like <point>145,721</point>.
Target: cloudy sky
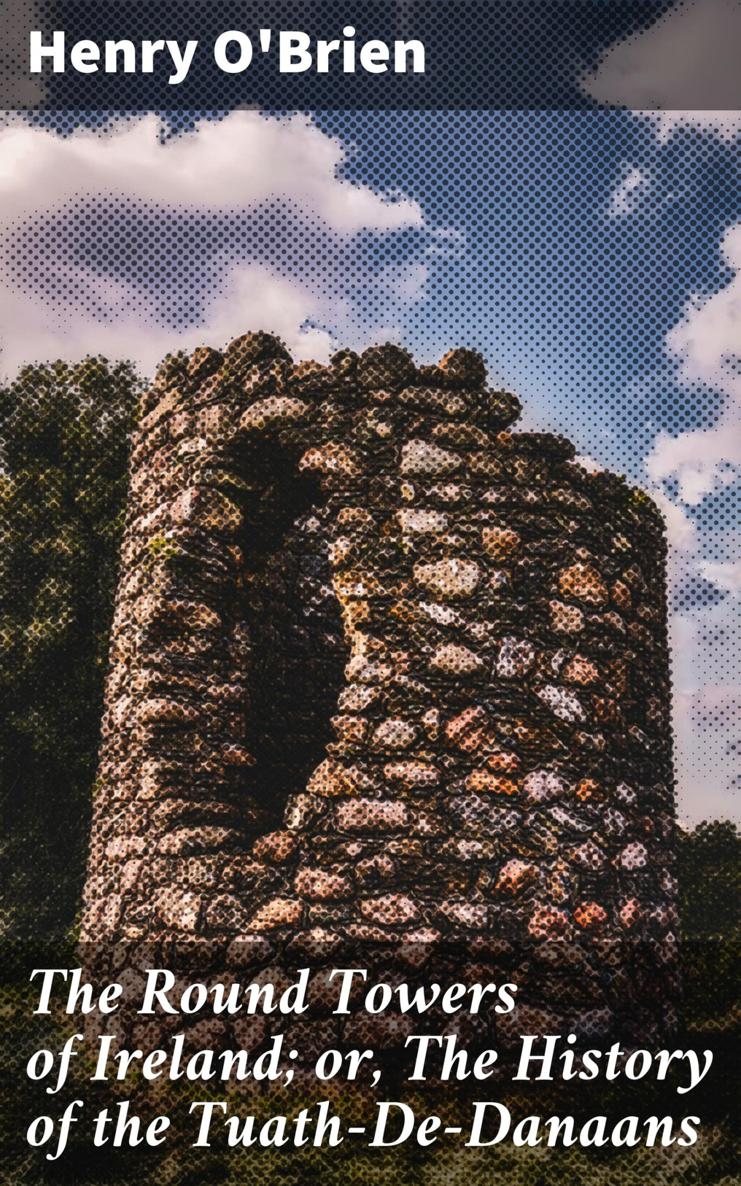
<point>594,257</point>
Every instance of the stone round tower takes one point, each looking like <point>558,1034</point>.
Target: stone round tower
<point>385,673</point>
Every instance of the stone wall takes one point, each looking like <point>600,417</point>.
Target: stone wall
<point>383,672</point>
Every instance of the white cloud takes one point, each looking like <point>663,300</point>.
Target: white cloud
<point>705,660</point>
<point>589,463</point>
<point>688,59</point>
<point>724,124</point>
<point>250,296</point>
<point>232,163</point>
<point>702,461</point>
<point>708,338</point>
<point>707,341</point>
<point>630,193</point>
<point>57,301</point>
<point>727,576</point>
<point>680,529</point>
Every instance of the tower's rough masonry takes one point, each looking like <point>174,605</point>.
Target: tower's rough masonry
<point>384,673</point>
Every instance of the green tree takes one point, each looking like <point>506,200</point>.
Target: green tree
<point>709,874</point>
<point>64,443</point>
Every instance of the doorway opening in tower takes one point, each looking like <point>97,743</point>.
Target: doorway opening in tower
<point>297,652</point>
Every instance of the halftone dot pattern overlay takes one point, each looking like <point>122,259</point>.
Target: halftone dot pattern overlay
<point>584,254</point>
<point>527,55</point>
<point>372,476</point>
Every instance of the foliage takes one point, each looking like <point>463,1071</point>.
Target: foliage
<point>64,441</point>
<point>709,873</point>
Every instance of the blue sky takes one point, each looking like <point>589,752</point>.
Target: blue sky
<point>569,299</point>
<point>594,257</point>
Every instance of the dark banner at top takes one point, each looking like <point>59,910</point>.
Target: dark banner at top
<point>516,54</point>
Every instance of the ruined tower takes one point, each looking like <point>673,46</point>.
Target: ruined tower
<point>384,672</point>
